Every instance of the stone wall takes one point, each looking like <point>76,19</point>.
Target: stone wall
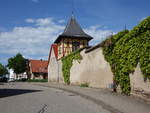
<point>138,84</point>
<point>54,69</point>
<point>93,70</point>
<point>60,74</point>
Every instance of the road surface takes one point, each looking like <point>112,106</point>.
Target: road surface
<point>27,98</point>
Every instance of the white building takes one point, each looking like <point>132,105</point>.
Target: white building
<point>13,76</point>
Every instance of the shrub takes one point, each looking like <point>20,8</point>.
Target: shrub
<point>38,80</point>
<point>84,85</point>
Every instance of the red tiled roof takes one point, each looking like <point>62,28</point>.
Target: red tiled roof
<point>55,48</point>
<point>39,66</point>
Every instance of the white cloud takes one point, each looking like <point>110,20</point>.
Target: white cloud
<point>97,33</point>
<point>34,42</point>
<point>42,21</point>
<point>29,20</point>
<point>61,21</point>
<point>36,1</point>
<point>30,41</point>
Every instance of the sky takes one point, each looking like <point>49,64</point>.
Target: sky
<point>30,27</point>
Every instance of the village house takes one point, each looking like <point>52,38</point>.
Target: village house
<point>37,69</point>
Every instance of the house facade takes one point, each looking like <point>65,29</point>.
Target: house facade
<point>37,69</point>
<point>13,76</point>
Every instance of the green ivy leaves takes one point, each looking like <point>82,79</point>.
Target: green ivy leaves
<point>67,63</point>
<point>129,48</point>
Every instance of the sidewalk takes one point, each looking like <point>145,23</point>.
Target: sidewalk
<point>115,103</point>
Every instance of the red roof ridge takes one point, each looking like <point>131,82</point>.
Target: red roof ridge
<point>38,60</point>
<point>55,48</point>
<point>38,65</point>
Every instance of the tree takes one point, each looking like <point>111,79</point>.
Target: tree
<point>3,70</point>
<point>17,63</point>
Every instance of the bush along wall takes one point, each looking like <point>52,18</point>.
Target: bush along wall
<point>67,63</point>
<point>125,50</point>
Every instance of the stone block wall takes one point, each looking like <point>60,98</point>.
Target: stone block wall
<point>92,69</point>
<point>95,71</point>
<point>138,84</point>
<point>54,69</point>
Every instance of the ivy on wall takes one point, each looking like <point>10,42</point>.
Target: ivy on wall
<point>67,63</point>
<point>125,50</point>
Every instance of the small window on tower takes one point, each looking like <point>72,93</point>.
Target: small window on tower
<point>68,44</point>
<point>59,50</point>
<point>75,46</point>
<point>84,44</point>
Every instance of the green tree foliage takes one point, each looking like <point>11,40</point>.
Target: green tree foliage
<point>126,50</point>
<point>67,63</point>
<point>17,63</point>
<point>3,70</point>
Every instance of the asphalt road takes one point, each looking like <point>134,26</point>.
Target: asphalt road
<point>27,98</point>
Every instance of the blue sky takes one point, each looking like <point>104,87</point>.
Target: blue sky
<point>31,26</point>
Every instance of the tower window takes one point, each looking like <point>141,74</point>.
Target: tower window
<point>59,50</point>
<point>68,44</point>
<point>75,46</point>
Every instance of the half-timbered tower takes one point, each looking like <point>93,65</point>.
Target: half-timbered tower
<point>71,39</point>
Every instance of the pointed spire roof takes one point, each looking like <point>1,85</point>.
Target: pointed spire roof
<point>73,30</point>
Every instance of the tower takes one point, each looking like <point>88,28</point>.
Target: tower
<point>72,38</point>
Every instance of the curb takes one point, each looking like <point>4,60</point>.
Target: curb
<point>98,102</point>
